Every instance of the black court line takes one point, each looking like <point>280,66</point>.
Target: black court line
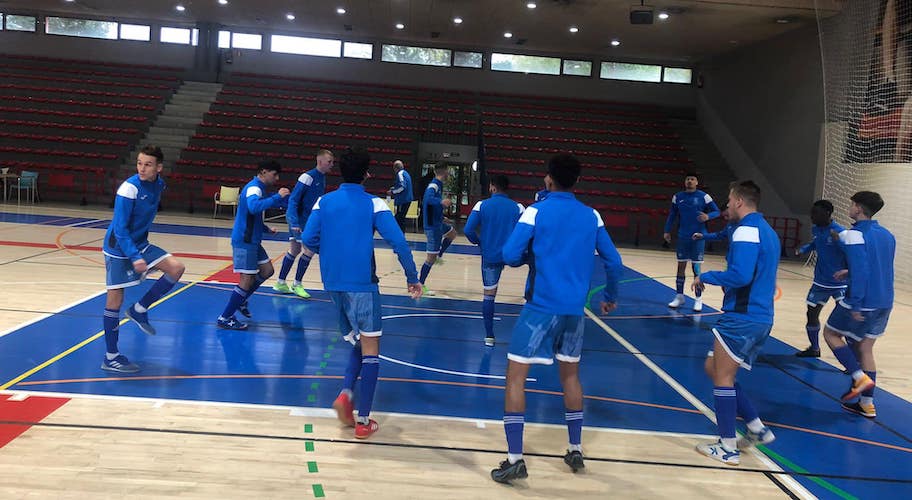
<point>277,437</point>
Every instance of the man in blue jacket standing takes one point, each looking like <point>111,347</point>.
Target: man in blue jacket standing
<point>401,192</point>
<point>342,226</point>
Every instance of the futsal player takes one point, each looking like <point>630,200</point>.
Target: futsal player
<point>310,186</point>
<point>861,317</point>
<point>749,282</point>
<point>557,237</point>
<point>497,216</point>
<point>830,260</point>
<point>401,192</point>
<point>439,234</point>
<point>129,256</point>
<point>250,259</point>
<point>692,208</point>
<point>541,195</point>
<point>342,225</point>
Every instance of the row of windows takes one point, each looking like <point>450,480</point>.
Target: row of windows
<point>322,47</point>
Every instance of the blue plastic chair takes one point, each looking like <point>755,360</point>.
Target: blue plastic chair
<point>27,181</point>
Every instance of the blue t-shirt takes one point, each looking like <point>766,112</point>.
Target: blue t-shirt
<point>686,207</point>
<point>135,206</point>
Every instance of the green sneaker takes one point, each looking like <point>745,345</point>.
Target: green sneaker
<point>439,261</point>
<point>282,288</point>
<point>426,291</point>
<point>300,291</point>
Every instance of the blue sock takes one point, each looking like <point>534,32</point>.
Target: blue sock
<point>847,358</point>
<point>513,428</point>
<point>425,270</point>
<point>443,246</point>
<point>814,336</point>
<point>726,410</point>
<point>870,392</point>
<point>696,271</point>
<point>158,290</point>
<point>287,262</point>
<point>487,312</point>
<point>370,367</point>
<point>257,283</point>
<point>745,408</point>
<point>574,426</point>
<point>111,329</point>
<point>679,284</point>
<point>238,296</point>
<point>353,369</point>
<point>303,262</point>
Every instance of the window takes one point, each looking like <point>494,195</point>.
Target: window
<point>577,68</point>
<point>415,55</point>
<point>306,46</point>
<point>677,75</point>
<point>358,50</point>
<point>246,41</point>
<point>175,35</point>
<point>20,23</point>
<point>224,41</point>
<point>194,37</point>
<point>634,72</point>
<point>1,22</point>
<point>135,32</point>
<point>525,64</point>
<point>86,28</point>
<point>467,59</point>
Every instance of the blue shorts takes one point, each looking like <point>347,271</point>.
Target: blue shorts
<point>247,259</point>
<point>292,236</point>
<point>873,326</point>
<point>359,314</point>
<point>741,339</point>
<point>435,236</point>
<point>119,271</point>
<point>490,275</point>
<point>690,250</point>
<point>818,295</point>
<point>538,338</point>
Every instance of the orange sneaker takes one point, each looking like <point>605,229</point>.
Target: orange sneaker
<point>858,386</point>
<point>364,431</point>
<point>344,409</point>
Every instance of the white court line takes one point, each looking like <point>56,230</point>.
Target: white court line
<point>448,372</point>
<point>83,223</point>
<point>298,411</point>
<point>787,479</point>
<point>48,315</point>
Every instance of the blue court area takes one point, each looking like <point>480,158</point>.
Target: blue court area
<point>435,363</point>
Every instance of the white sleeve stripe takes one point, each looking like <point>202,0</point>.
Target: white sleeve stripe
<point>380,205</point>
<point>306,179</point>
<point>674,199</point>
<point>253,191</point>
<point>707,199</point>
<point>598,218</point>
<point>128,190</point>
<point>746,234</point>
<point>402,176</point>
<point>317,204</point>
<point>521,208</point>
<point>852,237</point>
<point>433,186</point>
<point>528,216</point>
<point>477,207</point>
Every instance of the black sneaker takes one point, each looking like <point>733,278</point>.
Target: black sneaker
<point>810,352</point>
<point>508,472</point>
<point>575,460</point>
<point>857,408</point>
<point>243,309</point>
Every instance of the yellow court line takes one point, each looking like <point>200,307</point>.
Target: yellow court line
<point>82,344</point>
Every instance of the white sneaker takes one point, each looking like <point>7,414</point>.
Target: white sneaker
<point>698,304</point>
<point>677,302</point>
<point>718,452</point>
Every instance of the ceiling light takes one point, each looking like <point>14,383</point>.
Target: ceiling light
<point>531,5</point>
<point>574,29</point>
<point>223,2</point>
<point>615,43</point>
<point>457,20</point>
<point>663,15</point>
<point>508,35</point>
<point>340,10</point>
<point>290,16</point>
<point>783,20</point>
<point>400,26</point>
<point>180,8</point>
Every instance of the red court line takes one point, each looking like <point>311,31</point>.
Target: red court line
<point>31,409</point>
<point>98,249</point>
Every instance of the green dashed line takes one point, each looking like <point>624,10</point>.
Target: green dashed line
<point>308,446</point>
<point>318,491</point>
<point>327,355</point>
<point>795,467</point>
<point>311,398</point>
<point>308,428</point>
<point>312,467</point>
<point>314,386</point>
<point>323,364</point>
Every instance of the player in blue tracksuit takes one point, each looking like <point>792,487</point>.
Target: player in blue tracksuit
<point>557,237</point>
<point>250,259</point>
<point>439,234</point>
<point>830,260</point>
<point>723,234</point>
<point>310,186</point>
<point>129,256</point>
<point>861,317</point>
<point>749,282</point>
<point>497,216</point>
<point>693,208</point>
<point>401,191</point>
<point>342,226</point>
